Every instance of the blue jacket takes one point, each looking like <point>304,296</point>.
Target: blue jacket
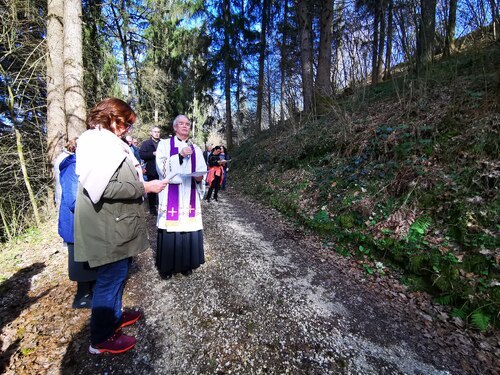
<point>69,185</point>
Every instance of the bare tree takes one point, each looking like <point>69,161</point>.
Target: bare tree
<point>390,33</point>
<point>449,43</point>
<point>306,52</point>
<point>283,60</point>
<point>496,18</point>
<point>381,41</point>
<point>375,41</point>
<point>339,25</point>
<point>227,73</point>
<point>121,22</point>
<point>426,33</point>
<point>262,57</point>
<point>323,80</point>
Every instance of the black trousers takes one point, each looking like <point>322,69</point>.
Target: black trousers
<point>152,197</point>
<point>214,187</point>
<point>152,201</point>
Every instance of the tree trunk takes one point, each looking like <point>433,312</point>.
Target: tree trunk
<point>74,98</point>
<point>283,62</point>
<point>376,22</point>
<point>425,38</point>
<point>138,80</point>
<point>449,43</point>
<point>306,52</point>
<point>262,59</point>
<point>56,118</point>
<point>122,35</point>
<point>400,19</point>
<point>269,105</point>
<point>238,122</point>
<point>381,40</point>
<point>227,74</point>
<point>496,18</point>
<point>390,32</point>
<point>323,77</point>
<point>338,33</point>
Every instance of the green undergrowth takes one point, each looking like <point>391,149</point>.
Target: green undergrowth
<point>403,175</point>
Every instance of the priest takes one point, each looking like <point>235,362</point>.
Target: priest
<point>179,222</point>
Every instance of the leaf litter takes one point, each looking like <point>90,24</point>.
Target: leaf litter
<point>269,299</point>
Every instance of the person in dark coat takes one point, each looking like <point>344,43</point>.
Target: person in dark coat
<point>147,152</point>
<point>77,271</point>
<point>225,156</point>
<point>215,172</point>
<point>207,152</point>
<point>133,147</point>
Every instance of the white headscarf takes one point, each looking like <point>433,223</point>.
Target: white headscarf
<point>98,155</point>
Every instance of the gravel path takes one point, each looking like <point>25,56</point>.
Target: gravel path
<point>271,300</point>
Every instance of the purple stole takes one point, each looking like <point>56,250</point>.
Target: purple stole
<point>173,189</point>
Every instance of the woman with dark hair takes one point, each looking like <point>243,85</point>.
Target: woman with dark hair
<point>215,172</point>
<point>109,219</point>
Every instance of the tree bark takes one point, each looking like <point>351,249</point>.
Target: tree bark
<point>449,43</point>
<point>381,39</point>
<point>56,118</point>
<point>227,74</point>
<point>323,77</point>
<point>338,33</point>
<point>306,52</point>
<point>426,34</point>
<point>269,105</point>
<point>375,48</point>
<point>390,32</point>
<point>262,59</point>
<point>496,18</point>
<point>283,61</point>
<point>74,98</point>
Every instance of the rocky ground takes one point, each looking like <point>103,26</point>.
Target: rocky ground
<point>269,299</point>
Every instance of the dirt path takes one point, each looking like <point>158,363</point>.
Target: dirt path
<point>271,300</point>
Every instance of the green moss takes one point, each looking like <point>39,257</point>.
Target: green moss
<point>346,221</point>
<point>476,263</point>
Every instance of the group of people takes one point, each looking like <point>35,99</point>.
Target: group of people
<point>217,159</point>
<point>102,219</point>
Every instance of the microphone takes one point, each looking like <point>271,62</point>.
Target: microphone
<point>189,144</point>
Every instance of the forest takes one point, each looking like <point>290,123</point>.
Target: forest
<point>372,122</point>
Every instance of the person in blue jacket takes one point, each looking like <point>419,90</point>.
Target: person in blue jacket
<point>78,271</point>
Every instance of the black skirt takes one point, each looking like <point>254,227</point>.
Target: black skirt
<point>179,251</point>
<point>79,271</point>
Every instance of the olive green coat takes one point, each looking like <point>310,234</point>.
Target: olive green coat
<point>114,228</point>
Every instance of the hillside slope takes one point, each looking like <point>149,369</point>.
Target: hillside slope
<point>403,175</point>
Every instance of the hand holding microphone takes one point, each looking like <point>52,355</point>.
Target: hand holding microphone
<point>186,151</point>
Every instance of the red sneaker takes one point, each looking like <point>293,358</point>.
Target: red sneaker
<point>128,318</point>
<point>115,344</point>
